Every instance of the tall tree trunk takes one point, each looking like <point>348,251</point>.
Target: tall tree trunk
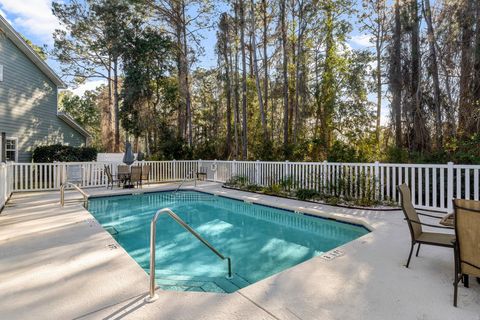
<point>293,56</point>
<point>116,108</point>
<point>435,77</point>
<point>188,107</point>
<point>396,76</point>
<point>265,55</point>
<point>474,126</point>
<point>379,91</point>
<point>236,86</point>
<point>244,83</point>
<point>181,77</point>
<point>318,110</point>
<point>298,71</point>
<point>378,26</point>
<point>226,54</point>
<point>107,109</point>
<point>465,100</point>
<point>257,75</point>
<point>419,134</point>
<point>283,27</point>
<point>328,84</point>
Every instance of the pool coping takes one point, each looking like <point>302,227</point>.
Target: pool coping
<point>342,218</point>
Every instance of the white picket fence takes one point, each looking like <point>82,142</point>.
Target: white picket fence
<point>433,185</point>
<point>49,176</point>
<point>6,183</point>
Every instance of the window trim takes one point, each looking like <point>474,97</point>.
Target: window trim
<point>6,149</point>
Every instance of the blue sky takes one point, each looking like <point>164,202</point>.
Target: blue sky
<point>34,19</point>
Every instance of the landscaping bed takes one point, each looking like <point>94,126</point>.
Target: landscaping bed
<point>284,189</point>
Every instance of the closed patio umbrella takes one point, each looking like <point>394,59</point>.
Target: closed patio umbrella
<point>128,157</point>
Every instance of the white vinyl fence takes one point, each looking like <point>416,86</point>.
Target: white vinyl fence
<point>6,183</point>
<point>433,185</point>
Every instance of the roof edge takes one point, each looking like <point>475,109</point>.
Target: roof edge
<point>68,119</point>
<point>15,37</point>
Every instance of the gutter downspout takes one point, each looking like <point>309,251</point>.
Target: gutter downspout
<point>3,146</point>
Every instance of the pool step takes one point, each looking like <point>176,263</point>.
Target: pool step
<point>189,285</point>
<point>201,284</point>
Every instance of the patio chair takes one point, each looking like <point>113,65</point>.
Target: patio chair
<point>418,236</point>
<point>73,174</point>
<point>136,176</point>
<point>110,180</point>
<point>122,170</point>
<point>467,242</point>
<point>123,173</point>
<point>202,173</point>
<point>145,173</point>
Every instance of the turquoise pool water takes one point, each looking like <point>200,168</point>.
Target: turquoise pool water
<point>260,240</point>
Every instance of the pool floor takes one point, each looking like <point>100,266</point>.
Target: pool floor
<point>260,240</point>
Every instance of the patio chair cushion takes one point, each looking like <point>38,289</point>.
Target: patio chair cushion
<point>437,238</point>
<point>410,212</point>
<point>467,227</point>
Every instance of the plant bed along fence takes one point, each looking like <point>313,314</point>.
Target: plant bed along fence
<point>433,186</point>
<point>317,198</point>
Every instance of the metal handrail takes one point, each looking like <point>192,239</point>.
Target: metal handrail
<point>153,229</point>
<point>62,192</point>
<point>185,180</point>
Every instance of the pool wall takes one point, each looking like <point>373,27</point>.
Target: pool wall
<point>316,213</point>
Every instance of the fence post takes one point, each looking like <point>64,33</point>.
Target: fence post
<point>257,172</point>
<point>234,168</point>
<point>286,169</point>
<point>450,186</point>
<point>174,169</point>
<point>3,186</point>
<point>325,176</point>
<point>216,170</point>
<point>376,179</point>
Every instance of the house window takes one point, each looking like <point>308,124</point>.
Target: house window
<point>11,149</point>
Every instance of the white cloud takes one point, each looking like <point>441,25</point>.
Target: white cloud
<point>89,85</point>
<point>3,14</point>
<point>33,16</point>
<point>362,40</point>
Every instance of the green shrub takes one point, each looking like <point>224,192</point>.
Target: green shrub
<point>253,187</point>
<point>333,200</point>
<point>274,189</point>
<point>237,181</point>
<point>58,152</point>
<point>286,183</point>
<point>365,202</point>
<point>306,194</point>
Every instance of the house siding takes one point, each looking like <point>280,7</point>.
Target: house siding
<point>28,104</point>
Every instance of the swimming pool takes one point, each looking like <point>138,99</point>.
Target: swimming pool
<point>260,240</point>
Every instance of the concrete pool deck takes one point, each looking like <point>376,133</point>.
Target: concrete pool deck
<point>58,263</point>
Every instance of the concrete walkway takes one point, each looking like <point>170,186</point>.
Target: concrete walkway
<point>58,263</point>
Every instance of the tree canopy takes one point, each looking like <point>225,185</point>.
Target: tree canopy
<point>287,84</point>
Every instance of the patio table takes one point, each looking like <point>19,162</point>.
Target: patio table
<point>125,179</point>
